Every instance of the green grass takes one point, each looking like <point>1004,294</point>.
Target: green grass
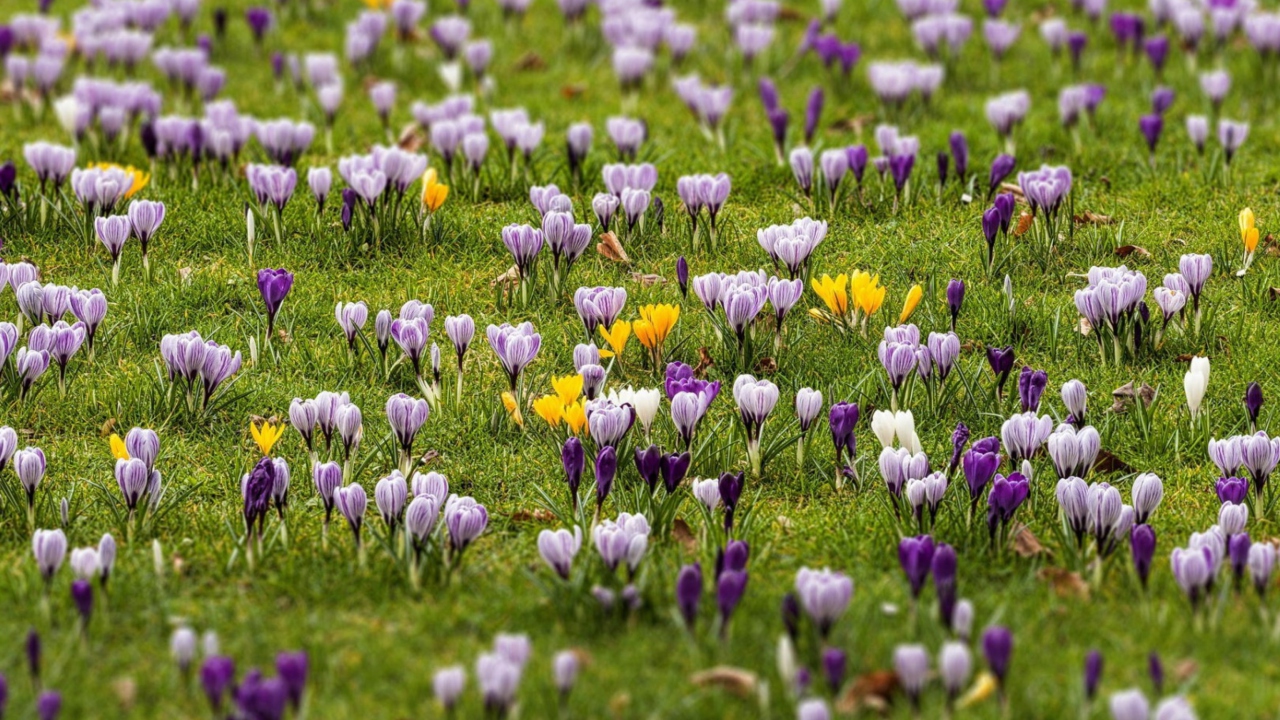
<point>374,643</point>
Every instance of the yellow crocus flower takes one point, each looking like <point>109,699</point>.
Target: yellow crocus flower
<point>616,338</point>
<point>645,333</point>
<point>434,193</point>
<point>568,388</point>
<point>266,435</point>
<point>661,320</point>
<point>549,408</point>
<point>867,292</point>
<point>983,688</point>
<point>833,293</point>
<point>513,408</point>
<point>575,416</point>
<point>138,179</point>
<point>1248,230</point>
<point>118,449</point>
<point>909,306</point>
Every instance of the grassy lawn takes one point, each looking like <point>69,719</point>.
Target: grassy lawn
<point>374,641</point>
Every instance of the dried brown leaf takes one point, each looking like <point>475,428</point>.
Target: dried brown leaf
<point>531,61</point>
<point>510,277</point>
<point>1127,250</point>
<point>972,345</point>
<point>1025,542</point>
<point>1066,583</point>
<point>1014,188</point>
<point>126,691</point>
<point>854,124</point>
<point>411,138</point>
<point>648,279</point>
<point>610,247</point>
<point>1024,224</point>
<point>1124,395</point>
<point>1107,462</point>
<point>683,534</point>
<point>736,680</point>
<point>766,366</point>
<point>107,427</point>
<point>871,690</point>
<point>537,515</point>
<point>1092,218</point>
<point>790,14</point>
<point>1184,669</point>
<point>704,362</point>
<point>569,92</point>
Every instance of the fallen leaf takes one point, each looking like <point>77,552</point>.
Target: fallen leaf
<point>1183,670</point>
<point>429,457</point>
<point>1124,395</point>
<point>1024,224</point>
<point>853,124</point>
<point>1107,462</point>
<point>569,92</point>
<point>1064,582</point>
<point>1180,241</point>
<point>1274,292</point>
<point>107,427</point>
<point>1127,250</point>
<point>683,534</point>
<point>1025,542</point>
<point>790,14</point>
<point>736,680</point>
<point>1105,180</point>
<point>871,690</point>
<point>1091,218</point>
<point>510,277</point>
<point>531,61</point>
<point>619,703</point>
<point>647,279</point>
<point>184,274</point>
<point>610,247</point>
<point>411,138</point>
<point>766,366</point>
<point>704,362</point>
<point>972,345</point>
<point>1084,327</point>
<point>784,522</point>
<point>126,691</point>
<point>1014,188</point>
<point>538,515</point>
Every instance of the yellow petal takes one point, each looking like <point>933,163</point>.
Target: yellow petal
<point>909,306</point>
<point>1246,220</point>
<point>117,448</point>
<point>549,408</point>
<point>984,687</point>
<point>513,408</point>
<point>568,388</point>
<point>575,416</point>
<point>1251,239</point>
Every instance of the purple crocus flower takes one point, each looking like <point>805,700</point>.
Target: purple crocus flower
<point>997,648</point>
<point>606,469</point>
<point>259,19</point>
<point>515,346</point>
<point>49,705</point>
<point>1151,126</point>
<point>274,285</point>
<point>1001,362</point>
<point>1005,203</point>
<point>960,155</point>
<point>1142,544</point>
<point>730,492</point>
<point>955,298</point>
<point>1253,403</point>
<point>689,592</point>
<point>292,669</point>
<point>257,489</point>
<point>915,555</point>
<point>730,588</point>
<point>1001,167</point>
<point>834,662</point>
<point>812,113</point>
<point>1092,674</point>
<point>1031,385</point>
<point>216,677</point>
<point>1157,50</point>
<point>1161,100</point>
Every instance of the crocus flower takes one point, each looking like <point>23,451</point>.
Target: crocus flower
<point>274,285</point>
<point>911,665</point>
<point>824,595</point>
<point>997,648</point>
<point>915,554</point>
<point>1001,362</point>
<point>50,549</point>
<point>955,665</point>
<point>558,549</point>
<point>689,592</point>
<point>730,588</point>
<point>1195,383</point>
